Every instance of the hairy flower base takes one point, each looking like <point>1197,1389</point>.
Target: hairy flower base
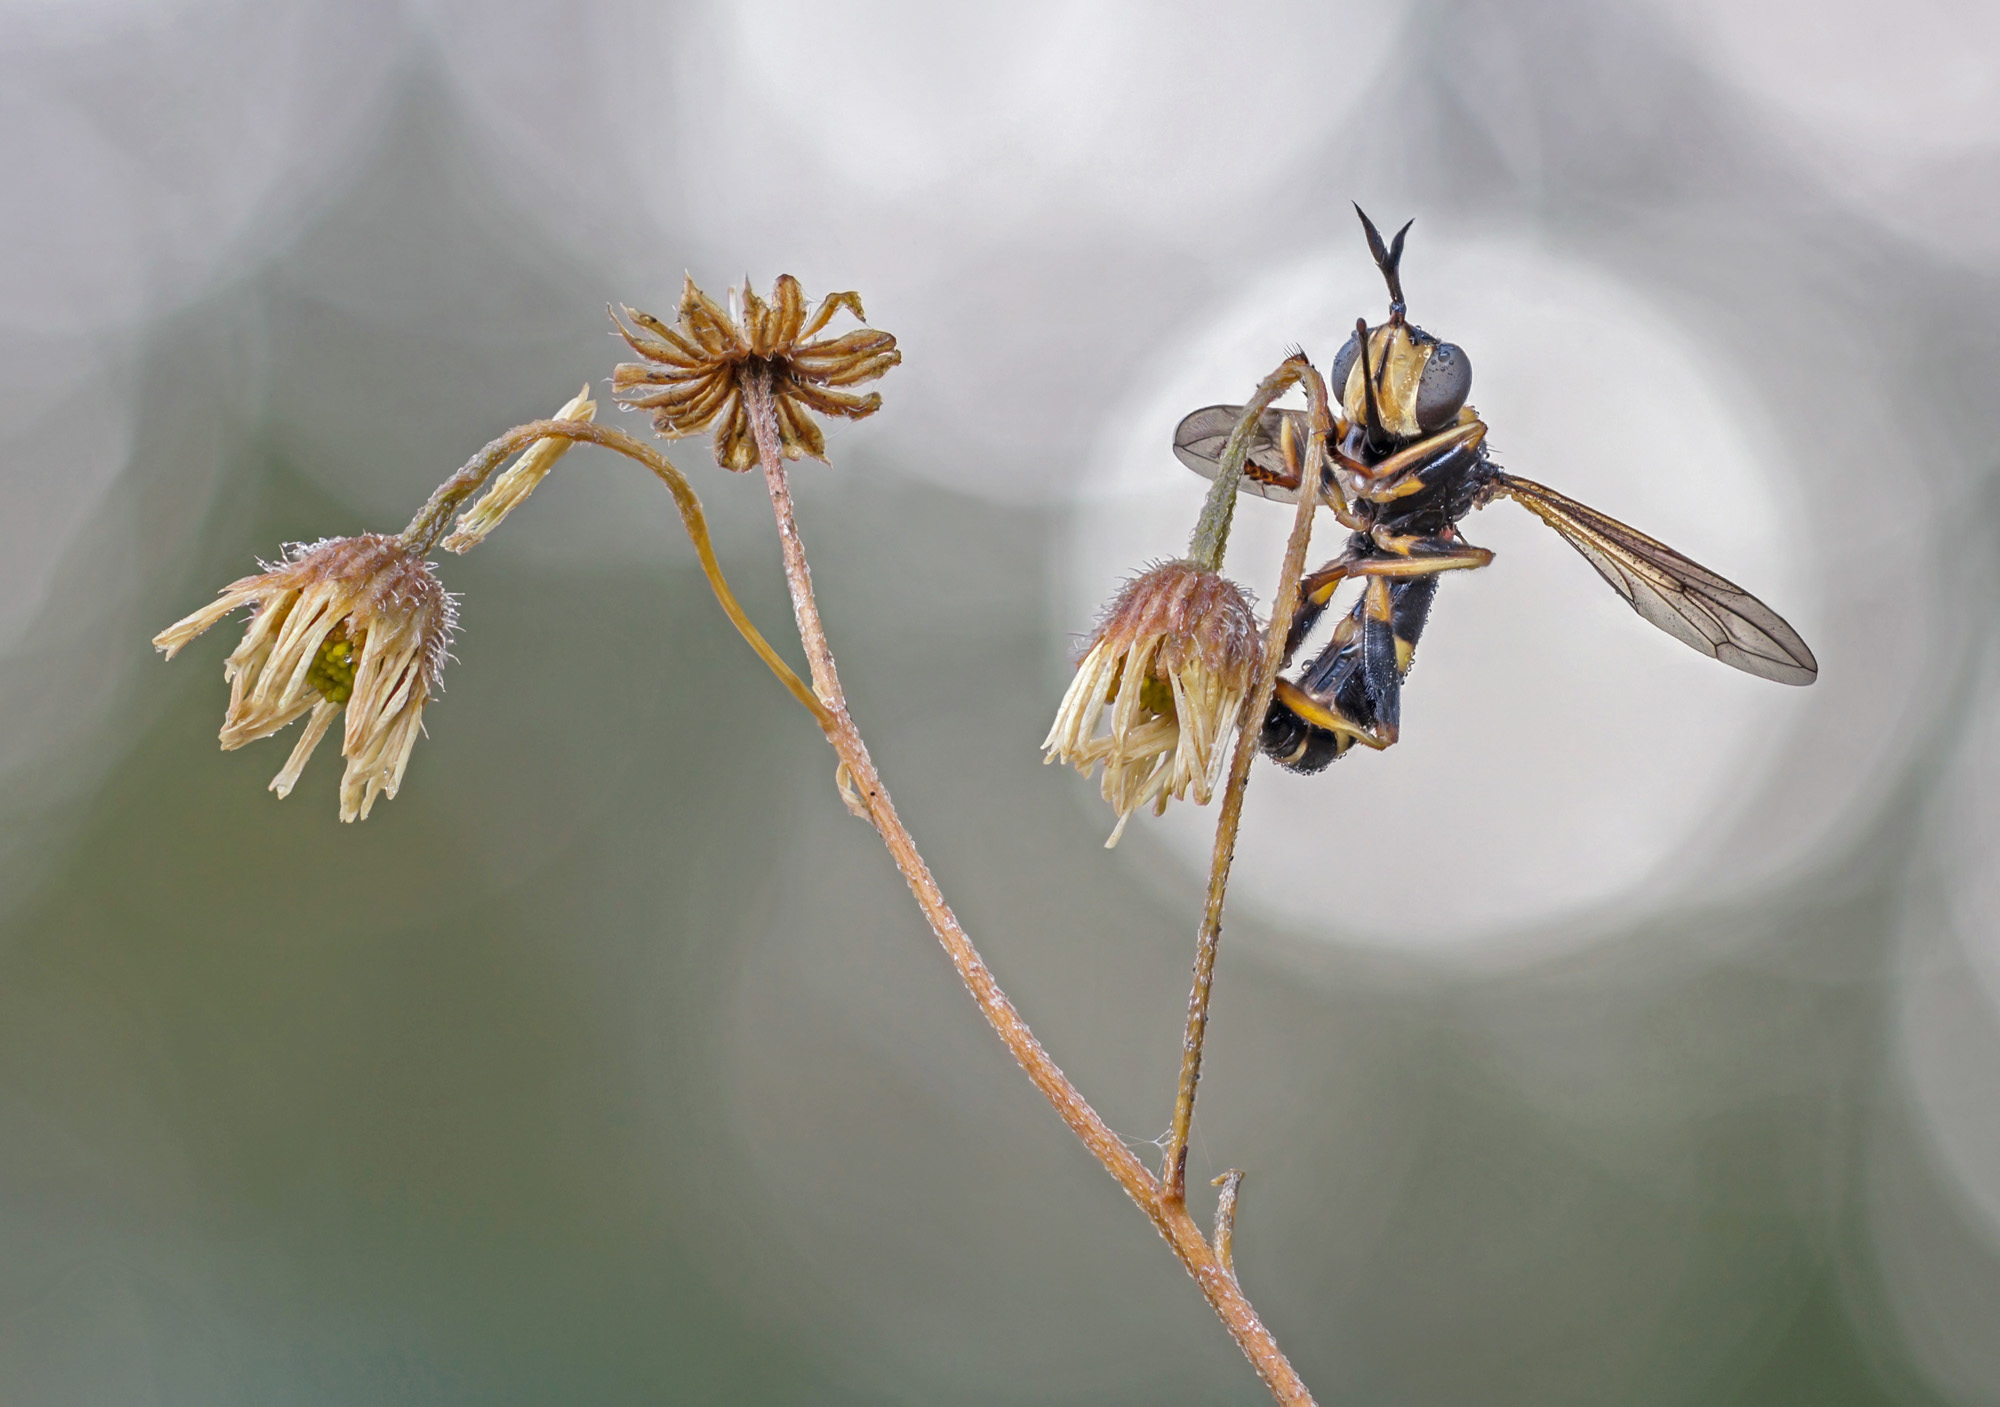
<point>359,622</point>
<point>1172,661</point>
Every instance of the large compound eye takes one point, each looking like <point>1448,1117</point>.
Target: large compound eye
<point>1337,382</point>
<point>1446,382</point>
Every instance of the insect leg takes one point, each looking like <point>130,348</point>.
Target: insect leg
<point>1384,654</point>
<point>1321,714</point>
<point>1416,556</point>
<point>1413,469</point>
<point>1462,557</point>
<point>1315,593</point>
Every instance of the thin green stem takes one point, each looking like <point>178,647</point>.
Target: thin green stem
<point>1211,530</point>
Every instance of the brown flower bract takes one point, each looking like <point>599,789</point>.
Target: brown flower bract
<point>1198,615</point>
<point>695,376</point>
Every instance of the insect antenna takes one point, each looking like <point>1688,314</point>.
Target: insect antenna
<point>1376,437</point>
<point>1389,260</point>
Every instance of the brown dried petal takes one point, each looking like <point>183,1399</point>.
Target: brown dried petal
<point>627,374</point>
<point>661,330</point>
<point>735,446</point>
<point>791,303</point>
<point>801,429</point>
<point>758,322</point>
<point>861,369</point>
<point>831,304</point>
<point>663,345</point>
<point>841,403</point>
<point>709,324</point>
<point>855,343</point>
<point>716,393</point>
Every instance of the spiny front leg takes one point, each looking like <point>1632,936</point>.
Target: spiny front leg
<point>1416,467</point>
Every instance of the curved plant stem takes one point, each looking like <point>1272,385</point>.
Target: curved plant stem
<point>1218,510</point>
<point>1230,819</point>
<point>428,526</point>
<point>865,789</point>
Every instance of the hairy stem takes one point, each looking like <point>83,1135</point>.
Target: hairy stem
<point>864,787</point>
<point>1209,939</point>
<point>428,526</point>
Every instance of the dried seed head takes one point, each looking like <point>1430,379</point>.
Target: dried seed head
<point>354,621</point>
<point>507,492</point>
<point>1172,658</point>
<point>695,375</point>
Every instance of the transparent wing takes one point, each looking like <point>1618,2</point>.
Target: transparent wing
<point>1682,597</point>
<point>1201,436</point>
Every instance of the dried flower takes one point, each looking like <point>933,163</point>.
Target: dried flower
<point>509,490</point>
<point>360,621</point>
<point>1172,658</point>
<point>697,376</point>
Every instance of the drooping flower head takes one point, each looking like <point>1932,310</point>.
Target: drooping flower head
<point>695,375</point>
<point>354,621</point>
<point>1172,660</point>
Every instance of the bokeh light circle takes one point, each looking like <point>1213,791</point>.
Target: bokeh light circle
<point>1557,751</point>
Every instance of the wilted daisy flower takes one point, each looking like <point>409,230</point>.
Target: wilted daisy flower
<point>1172,659</point>
<point>354,621</point>
<point>695,376</point>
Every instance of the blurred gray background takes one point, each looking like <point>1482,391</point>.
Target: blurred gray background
<point>610,1062</point>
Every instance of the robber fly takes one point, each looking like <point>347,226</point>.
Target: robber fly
<point>1411,457</point>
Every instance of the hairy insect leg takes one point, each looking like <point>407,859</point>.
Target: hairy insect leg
<point>1413,469</point>
<point>1315,594</point>
<point>1328,717</point>
<point>1436,557</point>
<point>1416,556</point>
<point>1386,651</point>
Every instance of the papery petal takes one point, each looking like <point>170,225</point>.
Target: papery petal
<point>861,369</point>
<point>664,345</point>
<point>800,429</point>
<point>832,304</point>
<point>758,323</point>
<point>711,328</point>
<point>790,300</point>
<point>735,445</point>
<point>839,349</point>
<point>629,374</point>
<point>315,729</point>
<point>841,403</point>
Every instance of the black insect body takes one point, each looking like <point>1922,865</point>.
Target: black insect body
<point>1410,458</point>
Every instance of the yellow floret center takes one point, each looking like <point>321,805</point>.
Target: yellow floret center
<point>332,671</point>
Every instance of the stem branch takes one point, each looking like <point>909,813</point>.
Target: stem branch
<point>1231,1184</point>
<point>865,787</point>
<point>428,526</point>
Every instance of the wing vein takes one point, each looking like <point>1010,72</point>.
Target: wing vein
<point>1691,603</point>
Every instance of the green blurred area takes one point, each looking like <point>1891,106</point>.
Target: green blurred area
<point>610,1063</point>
